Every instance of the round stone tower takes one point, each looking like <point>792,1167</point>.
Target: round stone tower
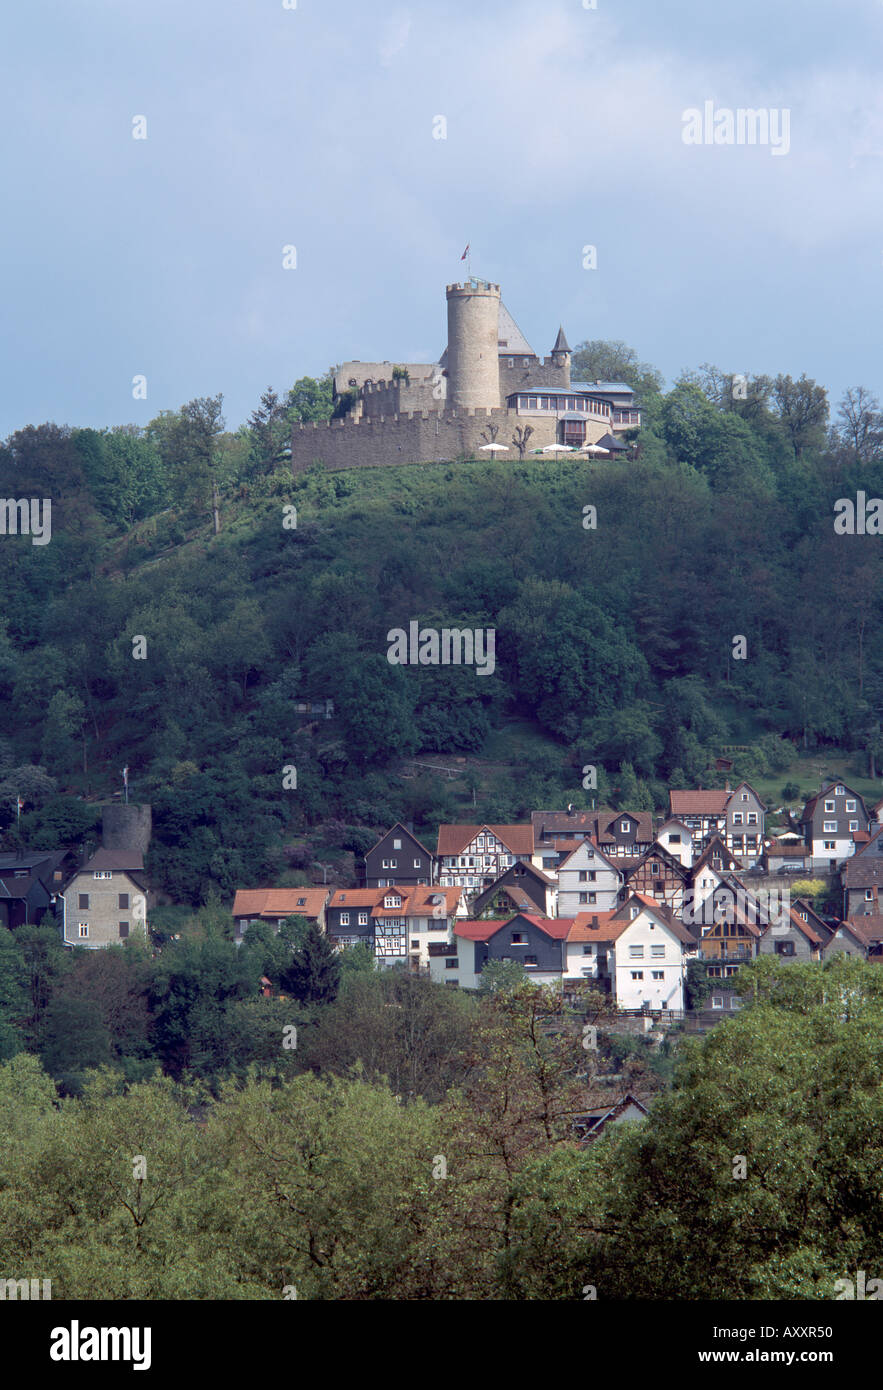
<point>473,362</point>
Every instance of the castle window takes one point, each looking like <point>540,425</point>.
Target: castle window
<point>511,361</point>
<point>527,361</point>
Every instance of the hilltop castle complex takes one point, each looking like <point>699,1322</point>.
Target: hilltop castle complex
<point>488,388</point>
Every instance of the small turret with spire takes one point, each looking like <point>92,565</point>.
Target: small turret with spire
<point>561,357</point>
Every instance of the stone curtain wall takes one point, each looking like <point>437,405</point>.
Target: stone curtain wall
<point>414,438</point>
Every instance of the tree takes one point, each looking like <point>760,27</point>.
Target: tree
<point>602,359</point>
<point>313,976</point>
<point>861,423</point>
<point>65,725</point>
<point>270,430</point>
<point>780,1196</point>
<point>803,412</point>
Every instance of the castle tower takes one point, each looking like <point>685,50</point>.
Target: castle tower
<point>561,356</point>
<point>473,361</point>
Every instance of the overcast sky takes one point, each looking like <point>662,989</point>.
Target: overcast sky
<point>314,127</point>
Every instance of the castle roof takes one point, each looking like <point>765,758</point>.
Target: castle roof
<point>561,343</point>
<point>510,336</point>
<point>617,388</point>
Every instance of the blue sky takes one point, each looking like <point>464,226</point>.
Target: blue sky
<point>313,127</point>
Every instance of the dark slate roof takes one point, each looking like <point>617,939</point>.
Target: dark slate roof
<point>561,343</point>
<point>608,442</point>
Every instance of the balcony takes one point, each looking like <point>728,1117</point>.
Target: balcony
<point>726,957</point>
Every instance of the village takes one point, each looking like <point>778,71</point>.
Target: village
<point>655,913</point>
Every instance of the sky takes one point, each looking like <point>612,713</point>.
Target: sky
<point>315,124</point>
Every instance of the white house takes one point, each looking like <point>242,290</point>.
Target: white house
<point>587,881</point>
<point>677,838</point>
<point>647,956</point>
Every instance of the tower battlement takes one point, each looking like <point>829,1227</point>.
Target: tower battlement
<point>474,287</point>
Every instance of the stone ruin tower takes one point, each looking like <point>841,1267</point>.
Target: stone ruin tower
<point>473,357</point>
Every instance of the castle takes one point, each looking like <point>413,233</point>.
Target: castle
<point>489,388</point>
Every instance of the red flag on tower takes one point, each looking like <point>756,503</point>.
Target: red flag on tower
<point>465,253</point>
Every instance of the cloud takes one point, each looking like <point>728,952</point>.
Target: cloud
<point>395,37</point>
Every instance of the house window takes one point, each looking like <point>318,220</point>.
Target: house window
<point>654,870</point>
<point>717,1001</point>
<point>363,919</point>
<point>625,827</point>
<point>869,895</point>
<point>839,791</point>
<point>587,950</point>
<point>102,873</point>
<point>393,863</point>
<point>530,960</point>
<point>418,863</point>
<point>518,939</point>
<point>737,817</point>
<point>583,876</point>
<point>344,919</point>
<point>637,974</point>
<point>511,361</point>
<point>853,825</point>
<point>674,839</point>
<point>451,963</point>
<point>752,818</point>
<point>83,928</point>
<point>124,900</point>
<point>784,948</point>
<point>385,864</point>
<point>830,806</point>
<point>829,826</point>
<point>124,929</point>
<point>396,844</point>
<point>850,806</point>
<point>415,945</point>
<point>593,897</point>
<point>636,952</point>
<point>658,952</point>
<point>744,796</point>
<point>829,844</point>
<point>584,898</point>
<point>83,900</point>
<point>658,974</point>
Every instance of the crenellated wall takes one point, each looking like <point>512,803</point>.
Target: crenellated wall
<point>417,437</point>
<point>552,371</point>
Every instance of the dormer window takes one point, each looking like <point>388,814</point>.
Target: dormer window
<point>839,791</point>
<point>625,826</point>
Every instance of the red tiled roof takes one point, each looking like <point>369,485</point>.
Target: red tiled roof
<point>453,839</point>
<point>114,859</point>
<point>583,930</point>
<point>279,902</point>
<point>472,930</point>
<point>698,803</point>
